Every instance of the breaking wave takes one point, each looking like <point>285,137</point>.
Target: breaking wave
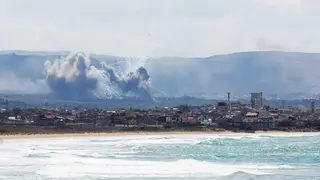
<point>220,157</point>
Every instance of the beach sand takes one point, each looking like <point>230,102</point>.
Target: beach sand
<point>99,134</point>
<point>106,134</point>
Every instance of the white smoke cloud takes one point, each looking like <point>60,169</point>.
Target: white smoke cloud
<point>9,82</point>
<point>77,77</point>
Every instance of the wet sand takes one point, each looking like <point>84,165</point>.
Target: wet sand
<point>106,134</point>
<point>71,135</point>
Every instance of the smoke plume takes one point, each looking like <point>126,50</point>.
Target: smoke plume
<point>78,77</point>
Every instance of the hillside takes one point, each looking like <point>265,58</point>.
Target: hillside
<point>270,72</point>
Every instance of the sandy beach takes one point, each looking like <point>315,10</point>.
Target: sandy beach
<point>72,135</point>
<point>105,134</point>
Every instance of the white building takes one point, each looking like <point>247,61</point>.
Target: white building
<point>257,100</point>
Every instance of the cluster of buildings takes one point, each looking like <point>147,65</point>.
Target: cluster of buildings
<point>223,115</point>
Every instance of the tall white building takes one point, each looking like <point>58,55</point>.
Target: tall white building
<point>257,100</point>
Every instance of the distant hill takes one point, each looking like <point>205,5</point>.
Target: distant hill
<point>270,72</point>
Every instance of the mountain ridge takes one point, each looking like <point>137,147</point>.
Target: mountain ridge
<point>240,72</point>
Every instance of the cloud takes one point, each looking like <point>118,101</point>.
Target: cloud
<point>159,27</point>
<point>263,45</point>
<point>282,5</point>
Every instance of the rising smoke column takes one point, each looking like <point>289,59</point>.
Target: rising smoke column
<point>76,78</point>
<point>136,83</point>
<point>71,78</point>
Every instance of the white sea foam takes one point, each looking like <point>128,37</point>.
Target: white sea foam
<point>73,167</point>
<point>166,156</point>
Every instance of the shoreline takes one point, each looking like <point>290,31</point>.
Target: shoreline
<point>104,134</point>
<point>133,133</point>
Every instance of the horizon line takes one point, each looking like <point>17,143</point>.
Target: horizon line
<point>2,52</point>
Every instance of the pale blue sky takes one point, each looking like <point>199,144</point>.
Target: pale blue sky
<point>160,27</point>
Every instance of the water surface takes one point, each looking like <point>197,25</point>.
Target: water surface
<point>233,156</point>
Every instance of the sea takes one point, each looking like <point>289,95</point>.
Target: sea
<point>156,157</point>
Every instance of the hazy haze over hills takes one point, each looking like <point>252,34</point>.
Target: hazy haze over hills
<point>270,72</point>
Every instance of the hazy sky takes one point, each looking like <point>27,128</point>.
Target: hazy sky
<point>160,27</point>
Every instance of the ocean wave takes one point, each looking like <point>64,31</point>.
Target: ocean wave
<point>128,169</point>
<point>218,140</point>
<point>289,134</point>
<point>38,156</point>
<point>209,156</point>
<point>103,156</point>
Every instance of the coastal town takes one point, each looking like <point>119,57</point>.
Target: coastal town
<point>225,115</point>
